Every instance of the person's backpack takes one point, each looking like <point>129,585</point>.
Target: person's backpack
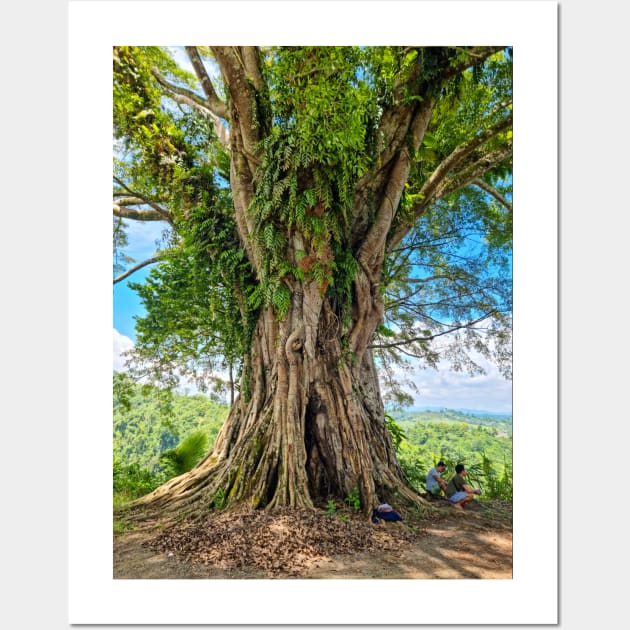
<point>385,512</point>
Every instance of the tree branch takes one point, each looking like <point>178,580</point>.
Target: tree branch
<point>492,191</point>
<point>191,98</point>
<point>393,127</point>
<point>214,102</point>
<point>137,215</point>
<point>253,63</point>
<point>242,100</point>
<point>405,121</point>
<point>188,97</point>
<point>245,135</point>
<point>459,154</point>
<point>473,171</point>
<point>442,181</point>
<point>477,54</point>
<point>374,242</point>
<point>127,273</point>
<point>166,215</point>
<point>124,200</point>
<point>406,342</point>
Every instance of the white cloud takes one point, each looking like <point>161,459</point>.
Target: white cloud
<point>142,236</point>
<point>179,54</point>
<point>459,390</point>
<point>121,343</point>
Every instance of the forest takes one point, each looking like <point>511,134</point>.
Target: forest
<point>149,425</point>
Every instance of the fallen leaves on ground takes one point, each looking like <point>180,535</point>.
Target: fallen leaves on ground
<point>279,543</point>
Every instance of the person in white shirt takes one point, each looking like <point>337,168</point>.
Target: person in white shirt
<point>435,483</point>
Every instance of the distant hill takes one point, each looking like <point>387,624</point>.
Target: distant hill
<point>467,412</point>
<point>461,415</point>
<point>146,423</point>
<point>480,440</point>
<point>501,422</point>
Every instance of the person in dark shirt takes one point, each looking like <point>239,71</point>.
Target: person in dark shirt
<point>458,491</point>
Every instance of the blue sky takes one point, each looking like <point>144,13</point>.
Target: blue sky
<point>142,245</point>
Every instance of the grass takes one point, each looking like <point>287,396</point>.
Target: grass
<point>122,527</point>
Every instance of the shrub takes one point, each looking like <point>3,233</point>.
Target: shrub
<point>353,499</point>
<point>131,481</point>
<point>185,455</point>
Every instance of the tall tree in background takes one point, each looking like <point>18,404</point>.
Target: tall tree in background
<point>323,204</point>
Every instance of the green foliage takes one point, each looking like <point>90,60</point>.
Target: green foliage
<point>157,435</point>
<point>131,481</point>
<point>340,291</point>
<point>331,508</point>
<point>192,325</point>
<point>321,100</point>
<point>148,131</point>
<point>353,500</point>
<point>219,499</point>
<point>121,527</point>
<point>185,455</point>
<point>169,154</point>
<point>497,424</point>
<point>497,486</point>
<point>120,241</point>
<point>310,163</point>
<point>149,421</point>
<point>454,267</point>
<point>396,432</point>
<point>124,390</point>
<point>485,448</point>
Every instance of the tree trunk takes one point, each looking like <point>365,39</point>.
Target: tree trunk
<point>308,425</point>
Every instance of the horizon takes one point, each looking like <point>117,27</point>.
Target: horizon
<point>441,408</point>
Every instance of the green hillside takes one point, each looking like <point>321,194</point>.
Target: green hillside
<point>148,422</point>
<point>483,443</point>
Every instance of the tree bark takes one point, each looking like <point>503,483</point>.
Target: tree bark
<point>308,425</point>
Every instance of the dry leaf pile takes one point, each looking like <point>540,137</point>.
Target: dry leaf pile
<point>282,543</point>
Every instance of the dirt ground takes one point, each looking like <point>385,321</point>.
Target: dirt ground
<point>474,543</point>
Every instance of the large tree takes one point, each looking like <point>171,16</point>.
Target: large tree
<point>328,208</point>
